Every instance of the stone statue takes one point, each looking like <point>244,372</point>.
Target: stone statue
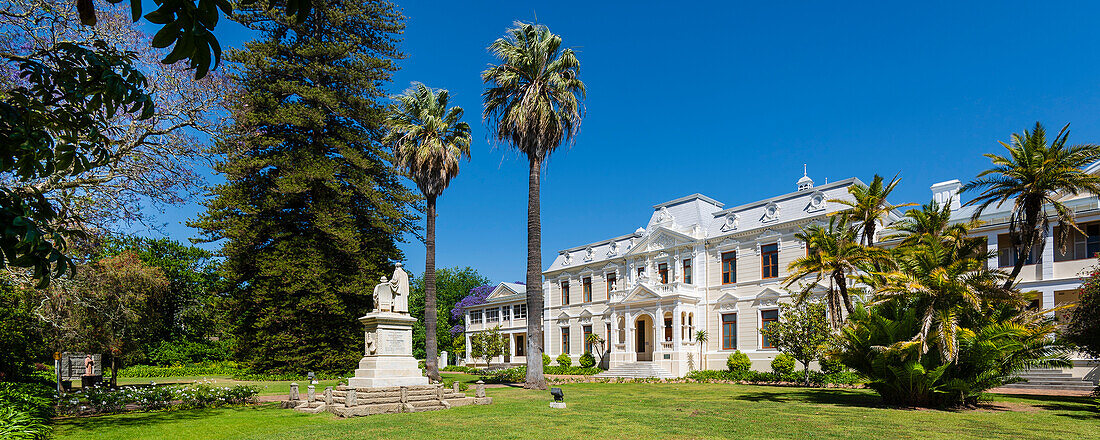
<point>400,290</point>
<point>89,366</point>
<point>383,296</point>
<point>372,347</point>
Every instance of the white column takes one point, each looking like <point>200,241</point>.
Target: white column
<point>659,331</point>
<point>631,349</point>
<point>469,351</point>
<point>1048,300</point>
<point>512,346</point>
<point>676,330</point>
<point>1048,254</point>
<point>992,245</point>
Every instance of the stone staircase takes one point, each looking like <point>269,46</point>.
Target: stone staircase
<point>348,402</point>
<point>637,370</point>
<point>1051,379</point>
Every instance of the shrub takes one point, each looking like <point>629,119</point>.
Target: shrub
<point>573,371</point>
<point>102,400</point>
<point>457,368</point>
<point>830,365</point>
<point>189,352</point>
<point>816,377</point>
<point>18,425</point>
<point>564,360</point>
<point>738,361</point>
<point>783,364</point>
<point>202,369</point>
<point>587,361</point>
<point>996,344</point>
<point>545,360</point>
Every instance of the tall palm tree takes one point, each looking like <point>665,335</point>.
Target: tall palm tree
<point>869,207</point>
<point>533,103</point>
<point>428,141</point>
<point>834,254</point>
<point>930,220</point>
<point>1032,175</point>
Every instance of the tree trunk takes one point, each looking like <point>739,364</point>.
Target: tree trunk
<point>842,284</point>
<point>806,373</point>
<point>1025,238</point>
<point>114,371</point>
<point>535,379</point>
<point>431,344</point>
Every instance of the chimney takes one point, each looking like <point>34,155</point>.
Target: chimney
<point>949,190</point>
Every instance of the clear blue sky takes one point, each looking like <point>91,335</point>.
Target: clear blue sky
<point>729,99</point>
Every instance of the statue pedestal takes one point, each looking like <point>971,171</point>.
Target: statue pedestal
<point>388,361</point>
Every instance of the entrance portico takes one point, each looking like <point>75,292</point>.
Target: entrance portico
<point>648,325</point>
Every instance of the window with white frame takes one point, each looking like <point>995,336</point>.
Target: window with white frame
<point>475,316</point>
<point>492,315</point>
<point>520,311</point>
<point>504,312</point>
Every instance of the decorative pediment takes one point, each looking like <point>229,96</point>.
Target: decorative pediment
<point>817,202</point>
<point>641,293</point>
<point>731,222</point>
<point>612,249</point>
<point>588,254</point>
<point>568,258</point>
<point>768,297</point>
<point>728,297</point>
<point>502,290</point>
<point>563,316</point>
<point>660,239</point>
<point>768,235</point>
<point>771,213</point>
<point>663,216</point>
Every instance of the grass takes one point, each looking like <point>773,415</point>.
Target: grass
<point>627,410</point>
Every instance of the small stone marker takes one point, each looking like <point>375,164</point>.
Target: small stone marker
<point>404,394</point>
<point>294,391</point>
<point>328,395</point>
<point>311,393</point>
<point>455,385</point>
<point>350,398</point>
<point>480,392</point>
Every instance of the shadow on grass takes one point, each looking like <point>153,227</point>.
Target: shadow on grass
<point>824,396</point>
<point>1075,407</point>
<point>93,423</point>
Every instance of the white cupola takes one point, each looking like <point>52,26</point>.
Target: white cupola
<point>805,182</point>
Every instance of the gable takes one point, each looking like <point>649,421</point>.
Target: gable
<point>660,238</point>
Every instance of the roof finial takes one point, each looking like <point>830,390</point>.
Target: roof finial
<point>804,170</point>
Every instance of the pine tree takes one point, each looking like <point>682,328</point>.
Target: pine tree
<point>312,210</point>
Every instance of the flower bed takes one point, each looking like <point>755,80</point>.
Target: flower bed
<point>103,400</point>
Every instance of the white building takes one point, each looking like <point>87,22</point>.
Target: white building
<point>698,265</point>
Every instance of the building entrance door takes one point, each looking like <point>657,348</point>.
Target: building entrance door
<point>643,328</point>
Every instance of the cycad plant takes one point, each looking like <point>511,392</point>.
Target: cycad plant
<point>878,343</point>
<point>1032,176</point>
<point>533,103</point>
<point>428,141</point>
<point>943,278</point>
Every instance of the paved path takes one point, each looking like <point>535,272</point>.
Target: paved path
<point>1037,392</point>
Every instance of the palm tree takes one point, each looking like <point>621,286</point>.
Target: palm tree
<point>834,254</point>
<point>428,141</point>
<point>701,340</point>
<point>930,220</point>
<point>869,207</point>
<point>533,103</point>
<point>1031,176</point>
<point>945,279</point>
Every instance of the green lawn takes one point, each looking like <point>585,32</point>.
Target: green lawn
<point>647,411</point>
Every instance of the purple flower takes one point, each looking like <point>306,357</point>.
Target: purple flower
<point>477,296</point>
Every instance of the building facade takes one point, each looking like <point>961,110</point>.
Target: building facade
<point>698,265</point>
